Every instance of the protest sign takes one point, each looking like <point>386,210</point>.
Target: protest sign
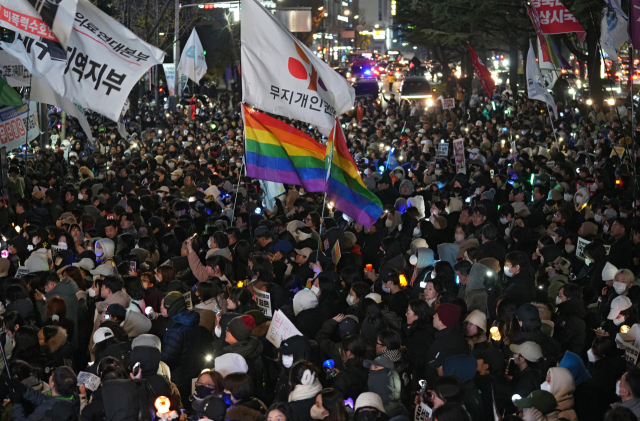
<point>458,153</point>
<point>263,299</point>
<point>630,351</point>
<point>103,62</point>
<point>16,121</point>
<point>187,300</point>
<point>170,74</point>
<point>443,149</point>
<point>582,243</point>
<point>280,329</point>
<point>423,412</point>
<point>90,381</point>
<point>22,270</point>
<point>57,249</point>
<point>448,103</point>
<point>607,248</point>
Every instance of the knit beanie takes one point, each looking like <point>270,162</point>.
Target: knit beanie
<point>174,303</point>
<point>241,327</point>
<point>448,314</point>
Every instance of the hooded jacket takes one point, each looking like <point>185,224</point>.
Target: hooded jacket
<point>449,253</point>
<point>424,267</point>
<point>475,293</point>
<point>108,250</point>
<point>180,350</point>
<point>42,402</point>
<point>149,359</point>
<point>418,203</point>
<point>135,324</point>
<point>251,350</point>
<point>563,387</point>
<point>122,398</point>
<point>569,328</point>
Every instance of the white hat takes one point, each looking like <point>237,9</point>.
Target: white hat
<point>86,264</point>
<point>164,189</point>
<point>147,339</point>
<point>609,272</point>
<point>369,400</point>
<point>230,363</point>
<point>102,334</point>
<point>104,270</point>
<point>304,300</point>
<point>477,318</point>
<point>620,303</point>
<point>306,252</point>
<point>375,297</point>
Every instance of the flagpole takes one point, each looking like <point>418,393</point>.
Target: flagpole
<point>336,127</point>
<point>26,136</point>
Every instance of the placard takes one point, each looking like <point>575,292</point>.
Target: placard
<point>90,381</point>
<point>263,299</point>
<point>443,149</point>
<point>582,243</point>
<point>19,124</point>
<point>22,270</point>
<point>448,103</point>
<point>458,153</point>
<point>57,249</point>
<point>280,329</point>
<point>630,351</point>
<point>187,300</point>
<point>607,248</point>
<point>423,412</point>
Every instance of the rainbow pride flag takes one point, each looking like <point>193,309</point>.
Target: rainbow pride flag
<point>345,189</point>
<point>278,152</point>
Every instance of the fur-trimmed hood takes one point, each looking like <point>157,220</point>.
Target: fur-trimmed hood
<point>55,343</point>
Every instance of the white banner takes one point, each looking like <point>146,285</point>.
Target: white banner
<point>14,123</point>
<point>192,63</point>
<point>630,351</point>
<point>170,74</point>
<point>458,153</point>
<point>280,329</point>
<point>13,71</point>
<point>104,61</point>
<point>41,92</point>
<point>443,149</point>
<point>613,32</point>
<point>448,103</point>
<point>582,243</point>
<point>535,84</point>
<point>282,76</point>
<point>48,21</point>
<point>263,299</point>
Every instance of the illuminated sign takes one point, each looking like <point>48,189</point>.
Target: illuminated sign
<point>393,7</point>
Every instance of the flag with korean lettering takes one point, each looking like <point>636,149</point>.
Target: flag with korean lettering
<point>49,21</point>
<point>104,61</point>
<point>282,76</point>
<point>192,61</point>
<point>555,18</point>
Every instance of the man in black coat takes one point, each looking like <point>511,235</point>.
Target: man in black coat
<point>621,251</point>
<point>521,287</point>
<point>490,247</point>
<point>448,340</point>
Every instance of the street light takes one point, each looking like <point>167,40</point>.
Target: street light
<point>346,12</point>
<point>326,14</point>
<point>321,7</point>
<point>356,17</point>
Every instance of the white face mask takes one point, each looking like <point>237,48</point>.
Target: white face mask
<point>62,245</point>
<point>591,356</point>
<point>315,289</point>
<point>438,172</point>
<point>350,300</point>
<point>91,292</point>
<point>605,229</point>
<point>99,252</point>
<point>507,231</point>
<point>620,287</point>
<point>568,197</point>
<point>459,237</point>
<point>569,248</point>
<point>400,227</point>
<point>385,289</point>
<point>413,260</point>
<point>618,321</point>
<point>316,413</point>
<point>287,361</point>
<point>558,300</point>
<point>218,331</point>
<point>388,223</point>
<point>623,215</point>
<point>618,388</point>
<point>506,272</point>
<point>504,221</point>
<point>33,240</point>
<point>598,218</point>
<point>546,386</point>
<point>587,261</point>
<point>171,164</point>
<point>417,232</point>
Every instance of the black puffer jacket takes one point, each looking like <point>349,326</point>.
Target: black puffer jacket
<point>180,349</point>
<point>123,399</point>
<point>352,381</point>
<point>521,288</point>
<point>570,328</point>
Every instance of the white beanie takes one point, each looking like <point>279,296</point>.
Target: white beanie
<point>609,272</point>
<point>230,363</point>
<point>477,318</point>
<point>369,400</point>
<point>304,300</point>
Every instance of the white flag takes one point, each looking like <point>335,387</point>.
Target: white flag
<point>271,190</point>
<point>41,92</point>
<point>49,21</point>
<point>613,32</point>
<point>13,71</point>
<point>103,62</point>
<point>547,69</point>
<point>535,84</point>
<point>192,62</point>
<point>282,76</point>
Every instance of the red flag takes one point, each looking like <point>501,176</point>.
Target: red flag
<point>535,18</point>
<point>482,73</point>
<point>555,18</point>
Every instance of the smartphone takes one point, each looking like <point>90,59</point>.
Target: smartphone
<point>136,369</point>
<point>107,316</point>
<point>109,216</point>
<point>133,266</point>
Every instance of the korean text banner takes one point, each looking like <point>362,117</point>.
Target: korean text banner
<point>13,71</point>
<point>48,21</point>
<point>555,18</point>
<point>170,74</point>
<point>104,61</point>
<point>14,123</point>
<point>282,76</point>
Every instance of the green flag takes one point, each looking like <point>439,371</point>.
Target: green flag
<point>8,96</point>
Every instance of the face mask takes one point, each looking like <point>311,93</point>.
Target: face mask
<point>385,289</point>
<point>591,356</point>
<point>459,237</point>
<point>438,172</point>
<point>504,221</point>
<point>113,136</point>
<point>506,272</point>
<point>587,261</point>
<point>568,197</point>
<point>316,413</point>
<point>287,360</point>
<point>400,227</point>
<point>598,218</point>
<point>579,199</point>
<point>620,287</point>
<point>91,292</point>
<point>388,223</point>
<point>350,299</point>
<point>618,388</point>
<point>623,215</point>
<point>62,245</point>
<point>605,229</point>
<point>618,322</point>
<point>569,248</point>
<point>545,386</point>
<point>413,260</point>
<point>507,231</point>
<point>365,130</point>
<point>558,300</point>
<point>204,391</point>
<point>171,164</point>
<point>33,240</point>
<point>99,253</point>
<point>315,289</point>
<point>417,232</point>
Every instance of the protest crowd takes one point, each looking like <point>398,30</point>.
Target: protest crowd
<point>150,266</point>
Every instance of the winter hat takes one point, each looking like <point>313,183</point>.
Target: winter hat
<point>489,194</point>
<point>369,400</point>
<point>611,213</point>
<point>609,272</point>
<point>174,303</point>
<point>541,400</point>
<point>374,296</point>
<point>147,339</point>
<point>304,300</point>
<point>104,270</point>
<point>240,327</point>
<point>477,318</point>
<point>258,316</point>
<point>463,366</point>
<point>448,314</point>
<point>230,363</point>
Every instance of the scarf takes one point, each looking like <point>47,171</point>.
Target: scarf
<point>392,354</point>
<point>302,392</point>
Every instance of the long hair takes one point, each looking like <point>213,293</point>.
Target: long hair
<point>333,402</point>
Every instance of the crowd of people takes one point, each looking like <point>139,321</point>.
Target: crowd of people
<point>494,289</point>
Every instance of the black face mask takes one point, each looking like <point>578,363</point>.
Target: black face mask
<point>367,416</point>
<point>204,391</point>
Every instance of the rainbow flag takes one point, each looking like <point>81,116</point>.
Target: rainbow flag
<point>335,253</point>
<point>345,189</point>
<point>278,152</point>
